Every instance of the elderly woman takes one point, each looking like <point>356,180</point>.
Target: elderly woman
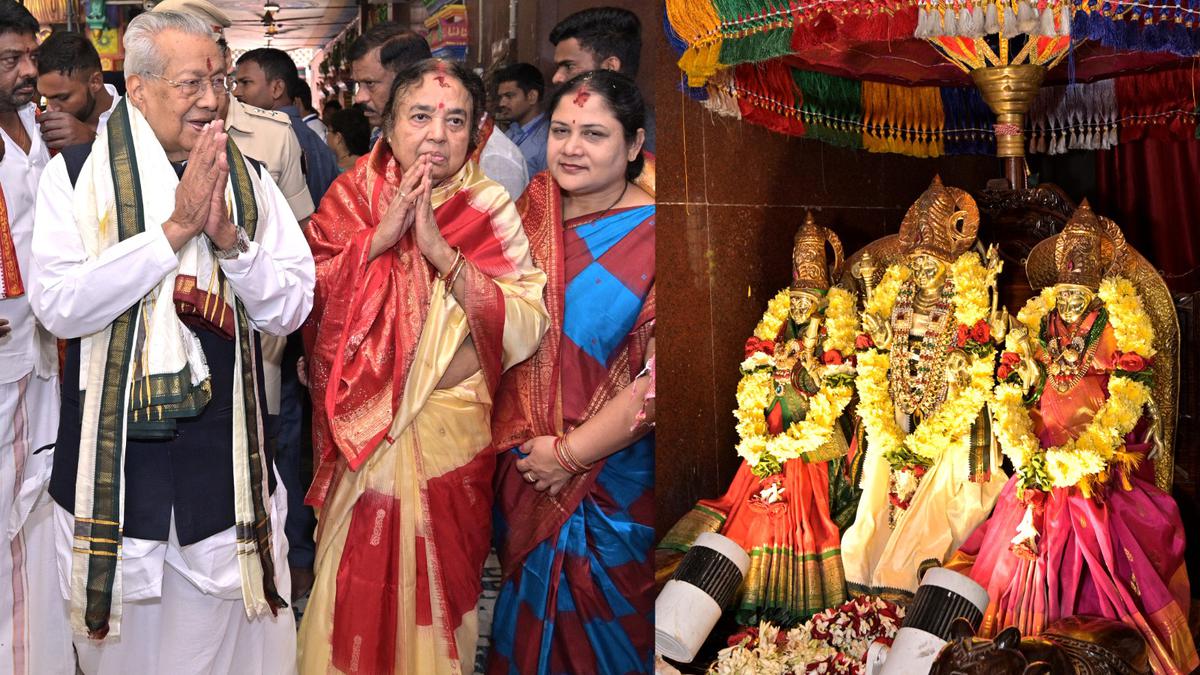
<point>575,494</point>
<point>426,292</point>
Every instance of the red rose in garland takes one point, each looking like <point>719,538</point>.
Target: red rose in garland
<point>1131,362</point>
<point>981,332</point>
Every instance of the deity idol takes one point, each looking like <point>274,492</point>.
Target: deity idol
<point>924,375</point>
<point>791,495</point>
<point>1076,530</point>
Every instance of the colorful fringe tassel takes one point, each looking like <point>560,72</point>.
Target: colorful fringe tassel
<point>931,121</point>
<point>1007,18</point>
<point>904,120</point>
<point>1147,25</point>
<point>1160,105</point>
<point>1074,117</point>
<point>718,34</point>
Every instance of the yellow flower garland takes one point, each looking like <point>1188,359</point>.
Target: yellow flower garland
<point>1035,308</point>
<point>883,298</point>
<point>1084,461</point>
<point>841,322</point>
<point>1132,327</point>
<point>755,392</point>
<point>773,318</point>
<point>949,425</point>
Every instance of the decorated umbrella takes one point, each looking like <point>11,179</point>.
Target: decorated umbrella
<point>934,77</point>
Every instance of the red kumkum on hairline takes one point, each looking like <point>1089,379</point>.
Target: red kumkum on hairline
<point>582,96</point>
<point>441,76</point>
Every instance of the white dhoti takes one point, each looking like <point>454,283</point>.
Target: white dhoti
<point>35,636</point>
<point>945,510</point>
<point>182,611</point>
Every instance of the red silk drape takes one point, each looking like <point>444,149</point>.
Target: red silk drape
<point>1150,189</point>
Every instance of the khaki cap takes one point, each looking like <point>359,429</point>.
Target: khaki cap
<point>200,8</point>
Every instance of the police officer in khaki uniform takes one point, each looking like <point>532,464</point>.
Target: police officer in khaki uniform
<point>267,135</point>
<point>263,135</point>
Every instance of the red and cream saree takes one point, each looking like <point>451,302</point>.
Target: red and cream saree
<point>403,486</point>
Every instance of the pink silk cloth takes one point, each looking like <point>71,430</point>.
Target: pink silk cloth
<point>1118,554</point>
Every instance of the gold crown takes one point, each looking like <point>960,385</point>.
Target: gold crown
<point>809,269</point>
<point>942,222</point>
<point>1085,249</point>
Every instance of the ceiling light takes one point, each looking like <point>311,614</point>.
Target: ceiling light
<point>271,6</point>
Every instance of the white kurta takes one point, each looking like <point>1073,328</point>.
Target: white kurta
<point>34,634</point>
<point>502,161</point>
<point>182,609</point>
<point>116,98</point>
<point>24,349</point>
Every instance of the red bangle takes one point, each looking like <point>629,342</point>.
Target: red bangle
<point>562,450</point>
<point>558,454</point>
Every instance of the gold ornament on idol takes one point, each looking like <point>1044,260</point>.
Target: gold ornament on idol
<point>1082,252</point>
<point>940,227</point>
<point>755,392</point>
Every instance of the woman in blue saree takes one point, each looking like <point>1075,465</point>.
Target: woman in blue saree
<point>574,485</point>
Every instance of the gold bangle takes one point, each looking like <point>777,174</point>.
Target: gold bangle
<point>566,447</point>
<point>562,460</point>
<point>452,275</point>
<point>458,258</point>
<point>457,269</point>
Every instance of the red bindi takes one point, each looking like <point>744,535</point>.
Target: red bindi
<point>441,105</point>
<point>582,97</point>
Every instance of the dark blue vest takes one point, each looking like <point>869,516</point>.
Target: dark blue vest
<point>191,474</point>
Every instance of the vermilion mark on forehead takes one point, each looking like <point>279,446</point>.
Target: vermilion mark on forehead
<point>441,105</point>
<point>441,76</point>
<point>208,63</point>
<point>581,97</point>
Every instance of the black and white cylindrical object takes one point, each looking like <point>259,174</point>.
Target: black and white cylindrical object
<point>942,597</point>
<point>706,581</point>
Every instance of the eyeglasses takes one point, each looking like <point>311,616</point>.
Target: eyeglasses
<point>194,88</point>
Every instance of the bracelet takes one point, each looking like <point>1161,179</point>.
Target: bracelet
<point>558,454</point>
<point>566,458</point>
<point>458,258</point>
<point>462,262</point>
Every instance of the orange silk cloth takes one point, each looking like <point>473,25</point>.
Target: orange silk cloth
<point>368,315</point>
<point>1058,418</point>
<point>10,270</point>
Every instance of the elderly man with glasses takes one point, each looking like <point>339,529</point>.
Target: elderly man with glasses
<point>264,135</point>
<point>161,253</point>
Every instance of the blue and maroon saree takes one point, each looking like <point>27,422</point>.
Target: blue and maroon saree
<point>578,571</point>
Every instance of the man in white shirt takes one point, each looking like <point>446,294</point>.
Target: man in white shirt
<point>78,102</point>
<point>301,95</point>
<point>34,637</point>
<point>387,48</point>
<point>160,253</point>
